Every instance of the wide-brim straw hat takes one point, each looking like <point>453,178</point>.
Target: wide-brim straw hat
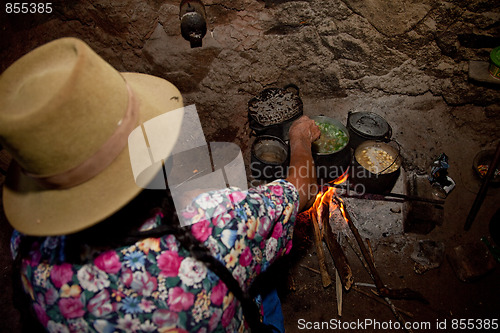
<point>65,116</point>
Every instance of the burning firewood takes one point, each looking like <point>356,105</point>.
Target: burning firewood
<point>338,291</point>
<point>327,202</point>
<point>320,215</point>
<point>318,236</point>
<point>338,255</point>
<point>382,290</point>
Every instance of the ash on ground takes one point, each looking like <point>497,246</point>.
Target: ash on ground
<point>377,219</point>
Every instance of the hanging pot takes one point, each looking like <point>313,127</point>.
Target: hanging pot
<point>273,111</point>
<point>365,126</point>
<point>193,21</point>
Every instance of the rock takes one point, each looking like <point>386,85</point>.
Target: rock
<point>396,209</point>
<point>471,261</point>
<point>428,254</point>
<point>391,46</point>
<point>337,53</point>
<point>172,58</point>
<point>391,17</point>
<point>492,111</point>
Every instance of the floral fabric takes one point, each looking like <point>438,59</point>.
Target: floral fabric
<point>154,285</point>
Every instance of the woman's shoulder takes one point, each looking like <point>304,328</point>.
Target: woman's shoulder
<point>232,201</point>
<point>276,188</point>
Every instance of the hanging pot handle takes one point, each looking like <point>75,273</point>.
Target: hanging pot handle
<point>349,113</point>
<point>292,87</point>
<point>388,136</point>
<point>397,156</point>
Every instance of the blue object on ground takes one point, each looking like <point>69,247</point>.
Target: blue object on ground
<point>273,315</point>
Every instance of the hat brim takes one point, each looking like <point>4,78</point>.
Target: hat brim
<point>37,211</point>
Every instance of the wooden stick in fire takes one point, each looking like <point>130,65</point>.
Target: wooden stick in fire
<point>379,300</point>
<point>359,255</point>
<point>338,292</point>
<point>336,251</point>
<point>383,291</point>
<point>325,277</point>
<point>376,278</point>
<point>369,265</point>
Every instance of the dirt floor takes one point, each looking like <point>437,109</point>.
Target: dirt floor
<point>307,303</point>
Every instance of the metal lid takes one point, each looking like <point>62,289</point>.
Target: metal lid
<point>368,124</point>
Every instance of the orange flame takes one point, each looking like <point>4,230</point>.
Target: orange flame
<point>322,198</point>
<point>342,209</point>
<point>325,198</point>
<point>342,179</point>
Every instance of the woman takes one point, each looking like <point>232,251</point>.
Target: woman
<point>96,252</point>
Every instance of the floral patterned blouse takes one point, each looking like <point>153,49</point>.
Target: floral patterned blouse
<point>154,285</point>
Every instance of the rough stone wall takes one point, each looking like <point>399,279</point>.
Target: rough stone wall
<point>333,50</point>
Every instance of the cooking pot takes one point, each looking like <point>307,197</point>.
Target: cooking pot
<point>269,158</point>
<point>376,165</point>
<point>273,111</point>
<point>365,126</point>
<point>331,165</point>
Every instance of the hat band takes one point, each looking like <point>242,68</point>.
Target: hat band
<point>106,154</point>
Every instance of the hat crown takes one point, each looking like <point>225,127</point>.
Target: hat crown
<point>65,116</point>
<point>58,105</point>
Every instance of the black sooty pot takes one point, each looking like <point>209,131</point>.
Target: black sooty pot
<point>376,167</point>
<point>274,110</point>
<point>269,158</point>
<point>364,126</point>
<point>330,166</point>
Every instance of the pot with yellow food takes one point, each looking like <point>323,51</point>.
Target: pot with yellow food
<point>376,165</point>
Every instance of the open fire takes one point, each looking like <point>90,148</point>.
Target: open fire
<point>326,207</point>
<point>323,209</point>
<point>328,197</point>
